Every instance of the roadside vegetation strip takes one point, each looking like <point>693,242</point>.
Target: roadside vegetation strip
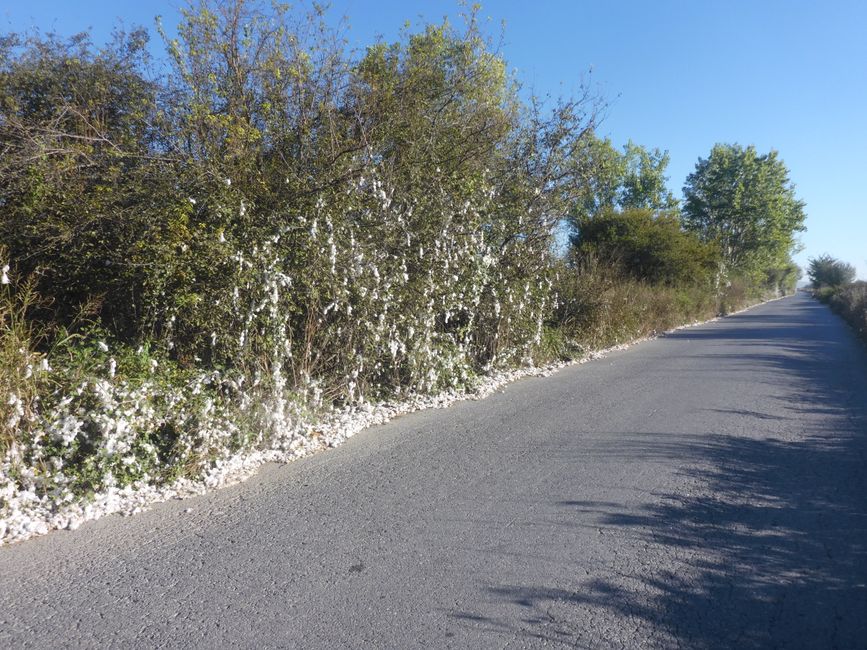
<point>26,514</point>
<point>850,302</point>
<point>833,282</point>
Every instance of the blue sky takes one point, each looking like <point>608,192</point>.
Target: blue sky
<point>678,75</point>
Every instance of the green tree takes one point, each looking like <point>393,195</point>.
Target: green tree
<point>603,185</point>
<point>643,183</point>
<point>783,279</point>
<point>82,170</point>
<point>633,178</point>
<point>744,201</point>
<point>826,271</point>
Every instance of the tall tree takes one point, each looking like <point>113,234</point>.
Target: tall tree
<point>601,189</point>
<point>632,179</point>
<point>826,271</point>
<point>643,183</point>
<point>745,201</point>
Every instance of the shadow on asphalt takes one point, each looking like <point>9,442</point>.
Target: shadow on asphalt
<point>786,521</point>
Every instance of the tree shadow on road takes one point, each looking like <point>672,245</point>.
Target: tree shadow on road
<point>770,550</point>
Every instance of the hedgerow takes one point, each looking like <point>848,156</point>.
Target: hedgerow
<point>201,265</point>
<point>850,301</point>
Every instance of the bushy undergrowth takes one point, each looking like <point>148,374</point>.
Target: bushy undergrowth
<point>94,416</point>
<point>599,307</point>
<point>850,301</point>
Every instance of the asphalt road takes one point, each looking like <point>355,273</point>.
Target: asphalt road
<point>707,489</point>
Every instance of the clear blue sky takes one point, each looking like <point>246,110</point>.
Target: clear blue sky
<point>789,75</point>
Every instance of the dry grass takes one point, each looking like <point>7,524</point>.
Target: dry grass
<point>851,303</point>
<point>22,366</point>
<point>598,308</point>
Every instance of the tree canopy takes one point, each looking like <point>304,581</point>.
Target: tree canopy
<point>632,178</point>
<point>744,201</point>
<point>827,271</point>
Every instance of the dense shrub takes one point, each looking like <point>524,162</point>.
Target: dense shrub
<point>600,306</point>
<point>850,302</point>
<point>274,229</point>
<point>289,206</point>
<point>648,246</point>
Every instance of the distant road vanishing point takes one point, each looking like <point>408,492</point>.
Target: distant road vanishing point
<point>705,489</point>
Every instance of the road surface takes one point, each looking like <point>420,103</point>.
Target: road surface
<point>706,489</point>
